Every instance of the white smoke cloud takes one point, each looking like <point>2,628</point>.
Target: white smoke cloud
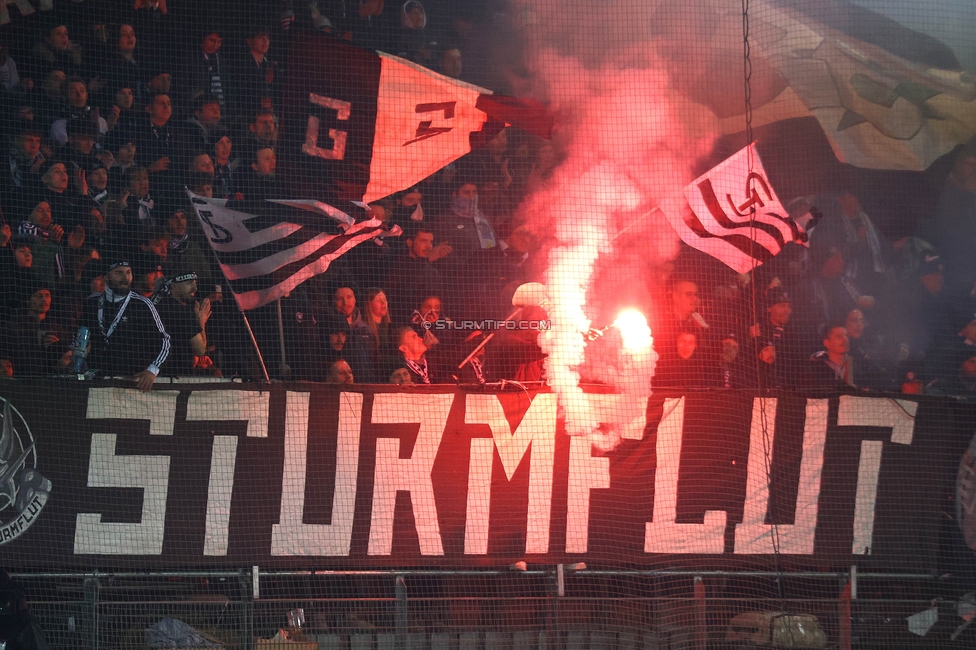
<point>629,140</point>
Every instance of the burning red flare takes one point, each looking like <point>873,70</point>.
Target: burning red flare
<point>634,330</point>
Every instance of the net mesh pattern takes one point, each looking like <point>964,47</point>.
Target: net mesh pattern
<point>487,324</point>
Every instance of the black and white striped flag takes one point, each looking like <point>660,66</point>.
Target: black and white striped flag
<point>264,255</point>
<point>734,216</point>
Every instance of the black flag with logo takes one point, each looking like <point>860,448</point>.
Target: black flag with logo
<point>362,125</point>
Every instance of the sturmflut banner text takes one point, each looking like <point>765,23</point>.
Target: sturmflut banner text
<point>305,475</point>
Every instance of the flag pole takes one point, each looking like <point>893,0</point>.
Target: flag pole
<point>353,235</point>
<point>254,341</point>
<point>283,365</point>
<point>247,323</point>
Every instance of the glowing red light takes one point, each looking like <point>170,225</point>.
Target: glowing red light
<point>634,330</point>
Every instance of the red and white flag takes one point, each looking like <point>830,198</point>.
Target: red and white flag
<point>361,125</point>
<point>735,215</point>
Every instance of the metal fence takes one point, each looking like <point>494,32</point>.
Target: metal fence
<point>487,610</point>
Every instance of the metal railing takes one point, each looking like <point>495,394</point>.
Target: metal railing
<point>545,607</point>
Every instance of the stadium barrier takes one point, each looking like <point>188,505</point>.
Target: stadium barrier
<point>441,512</point>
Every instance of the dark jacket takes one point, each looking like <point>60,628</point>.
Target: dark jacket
<point>24,341</point>
<point>820,375</point>
<point>17,625</point>
<point>251,83</point>
<point>359,345</point>
<point>138,342</point>
<point>790,351</point>
<point>435,369</point>
<point>409,281</point>
<point>181,324</point>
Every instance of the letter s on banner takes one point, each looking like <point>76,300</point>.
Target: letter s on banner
<point>311,145</point>
<point>106,469</point>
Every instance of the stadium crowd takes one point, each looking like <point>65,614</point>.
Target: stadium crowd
<point>110,109</point>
